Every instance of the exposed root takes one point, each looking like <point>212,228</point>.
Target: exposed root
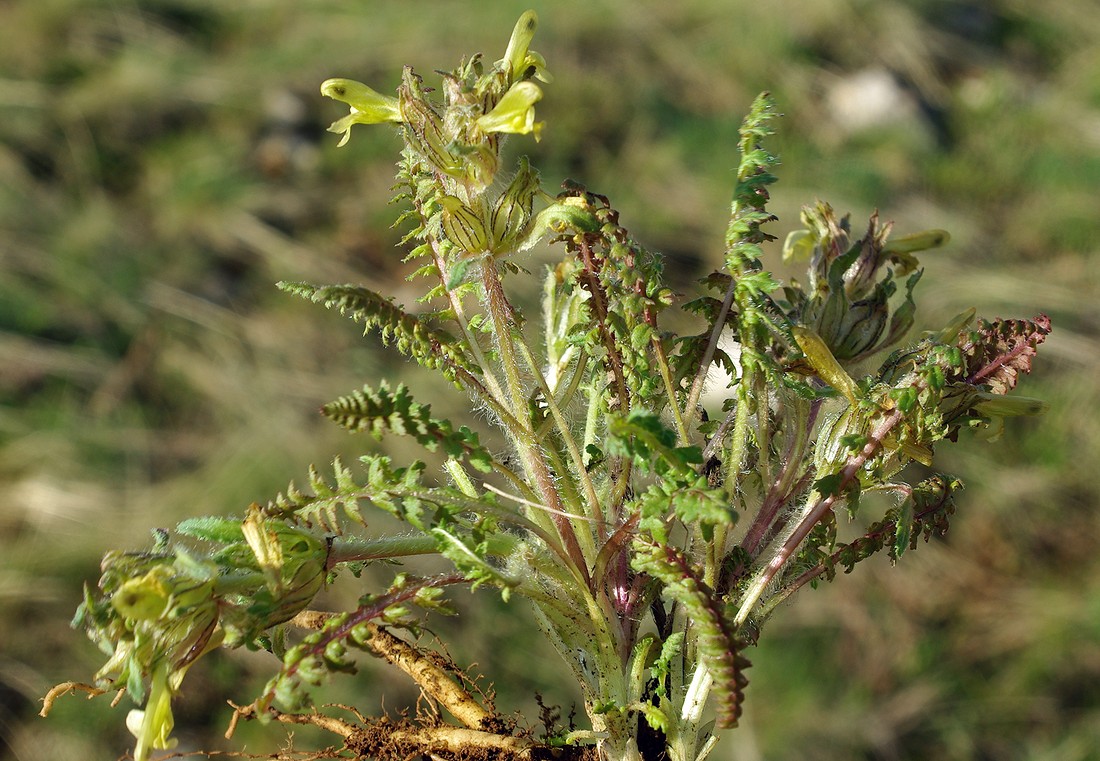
<point>68,687</point>
<point>328,723</point>
<point>389,740</point>
<point>432,679</point>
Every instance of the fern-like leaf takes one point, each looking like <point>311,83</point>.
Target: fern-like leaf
<point>381,410</point>
<point>999,350</point>
<point>719,644</point>
<point>429,346</point>
<point>322,506</point>
<point>748,210</point>
<point>324,652</point>
<point>925,513</point>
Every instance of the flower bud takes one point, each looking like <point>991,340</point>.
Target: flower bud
<point>463,227</point>
<point>824,363</point>
<point>860,329</point>
<point>827,312</point>
<point>921,241</point>
<point>424,130</point>
<point>512,210</point>
<point>830,239</point>
<point>519,59</point>
<point>839,432</point>
<point>293,563</point>
<point>859,278</point>
<point>265,545</point>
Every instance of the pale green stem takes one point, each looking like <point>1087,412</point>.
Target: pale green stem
<point>592,417</point>
<point>464,325</point>
<point>501,314</point>
<point>696,392</point>
<point>763,428</point>
<point>696,697</point>
<point>592,506</point>
<point>670,392</point>
<point>348,549</point>
<point>566,397</point>
<point>734,461</point>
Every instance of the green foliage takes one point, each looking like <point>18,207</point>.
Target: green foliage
<point>324,652</point>
<point>712,628</point>
<point>379,412</point>
<point>614,496</point>
<point>431,348</point>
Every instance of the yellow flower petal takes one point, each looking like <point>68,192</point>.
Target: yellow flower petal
<point>367,105</point>
<point>515,57</point>
<point>515,112</point>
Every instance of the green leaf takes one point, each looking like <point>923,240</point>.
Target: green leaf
<point>382,410</point>
<point>212,529</point>
<point>642,436</point>
<point>717,641</point>
<point>431,347</point>
<point>904,529</point>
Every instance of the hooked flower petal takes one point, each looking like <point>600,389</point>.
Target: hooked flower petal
<point>367,105</point>
<point>515,112</point>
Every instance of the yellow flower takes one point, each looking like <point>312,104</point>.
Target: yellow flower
<point>519,58</point>
<point>265,546</point>
<point>146,597</point>
<point>515,112</point>
<point>153,725</point>
<point>367,105</point>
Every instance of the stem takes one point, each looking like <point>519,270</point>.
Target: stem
<point>763,427</point>
<point>500,311</point>
<point>670,391</point>
<point>814,513</point>
<point>708,355</point>
<point>738,418</point>
<point>696,697</point>
<point>350,549</point>
<point>460,318</point>
<point>785,485</point>
<point>566,397</point>
<point>592,501</point>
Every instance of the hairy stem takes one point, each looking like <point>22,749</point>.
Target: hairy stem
<point>815,511</point>
<point>692,403</point>
<point>502,315</point>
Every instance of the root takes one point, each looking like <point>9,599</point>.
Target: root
<point>66,688</point>
<point>390,740</point>
<point>433,680</point>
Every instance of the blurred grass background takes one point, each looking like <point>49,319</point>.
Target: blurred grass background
<point>164,162</point>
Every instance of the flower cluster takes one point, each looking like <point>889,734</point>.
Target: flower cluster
<point>846,300</point>
<point>158,612</point>
<point>458,141</point>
